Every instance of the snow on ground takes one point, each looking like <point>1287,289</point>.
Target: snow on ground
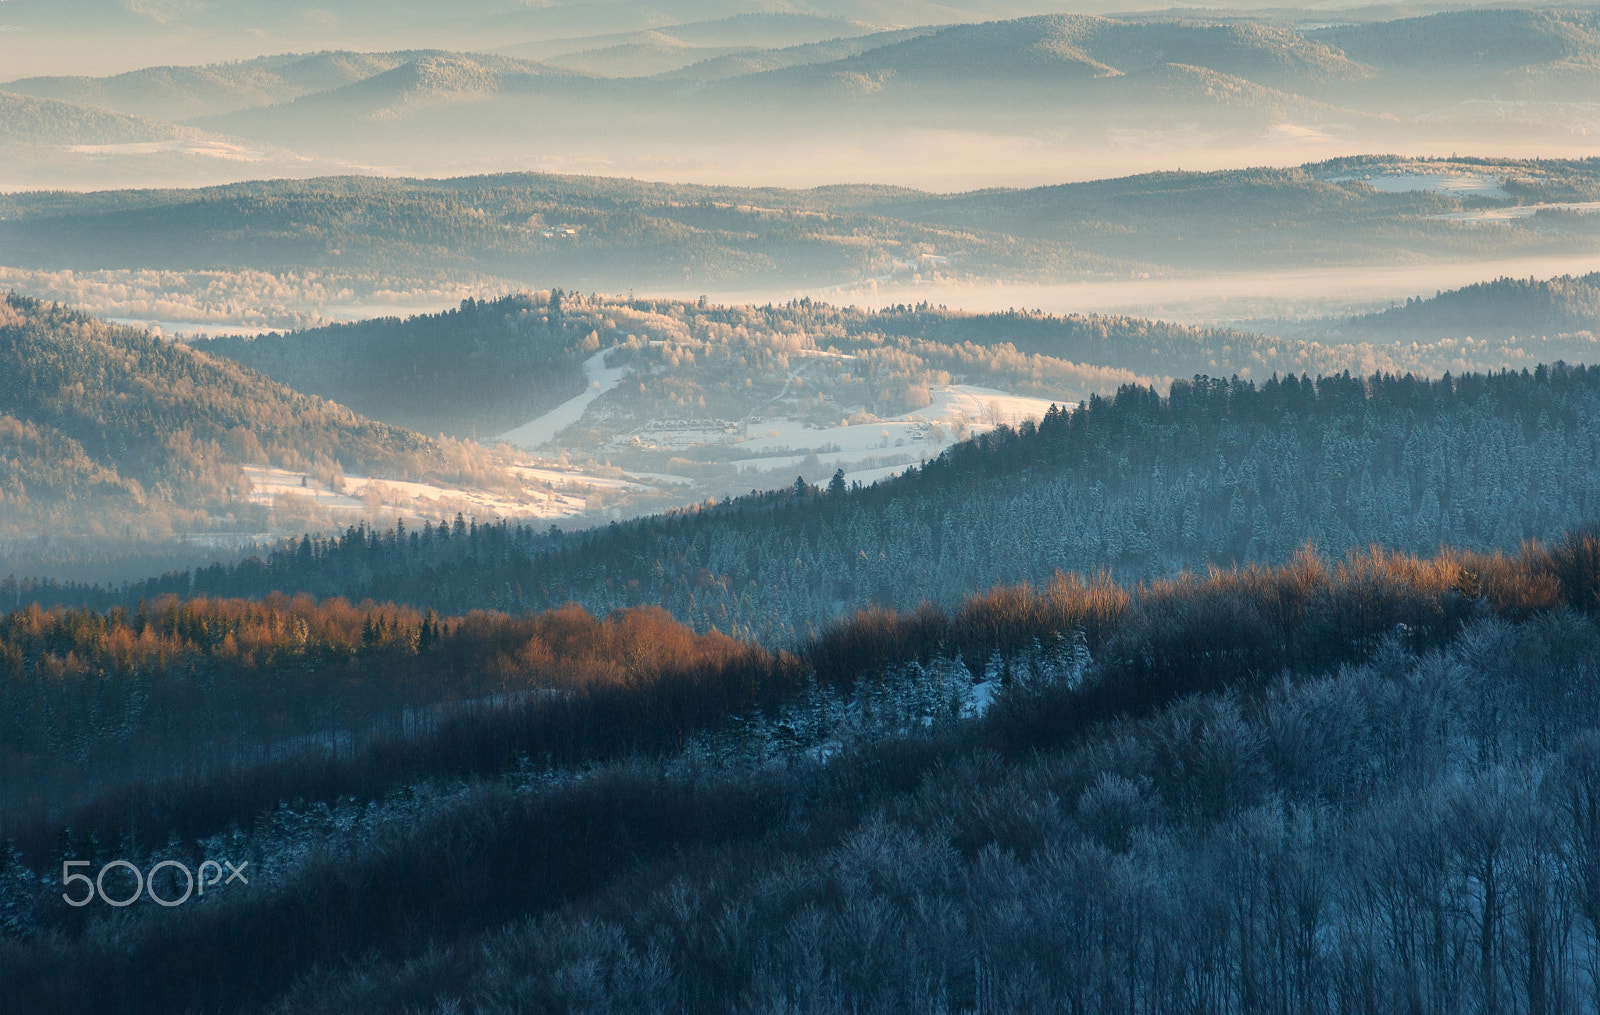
<point>770,450</point>
<point>662,477</point>
<point>269,484</point>
<point>862,449</point>
<point>556,477</point>
<point>979,409</point>
<point>1519,211</point>
<point>866,477</point>
<point>983,695</point>
<point>681,433</point>
<point>985,405</point>
<point>544,429</point>
<point>370,497</point>
<point>783,435</point>
<point>1453,184</point>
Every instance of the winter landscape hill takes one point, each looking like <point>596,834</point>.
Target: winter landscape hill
<point>114,437</point>
<point>1030,98</point>
<point>843,244</point>
<point>641,775</point>
<point>608,507</point>
<point>1501,309</point>
<point>1212,472</point>
<point>613,406</point>
<point>182,93</point>
<point>113,427</point>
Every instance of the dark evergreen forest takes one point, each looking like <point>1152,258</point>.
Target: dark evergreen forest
<point>1504,308</point>
<point>1215,472</point>
<point>478,370</point>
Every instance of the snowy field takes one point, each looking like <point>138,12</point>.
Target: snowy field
<point>545,493</point>
<point>772,449</point>
<point>585,480</point>
<point>966,401</point>
<point>1514,212</point>
<point>1453,184</point>
<point>768,451</point>
<point>543,429</point>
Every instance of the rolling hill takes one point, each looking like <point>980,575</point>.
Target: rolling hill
<point>49,142</point>
<point>667,48</point>
<point>536,230</point>
<point>488,366</point>
<point>587,232</point>
<point>1061,50</point>
<point>1213,472</point>
<point>476,371</point>
<point>465,89</point>
<point>181,93</point>
<point>46,122</point>
<point>1448,46</point>
<point>755,61</point>
<point>1004,73</point>
<point>1033,799</point>
<point>111,428</point>
<point>1501,309</point>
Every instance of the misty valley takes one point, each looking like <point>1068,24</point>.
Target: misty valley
<point>831,507</point>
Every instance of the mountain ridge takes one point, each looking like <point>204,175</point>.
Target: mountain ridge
<point>122,412</point>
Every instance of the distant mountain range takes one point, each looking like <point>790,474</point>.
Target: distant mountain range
<point>534,231</point>
<point>1090,90</point>
<point>179,93</point>
<point>70,145</point>
<point>29,120</point>
<point>665,48</point>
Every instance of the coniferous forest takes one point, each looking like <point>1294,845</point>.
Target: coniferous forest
<point>1213,473</point>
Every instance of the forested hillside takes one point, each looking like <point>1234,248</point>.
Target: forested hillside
<point>27,120</point>
<point>1503,309</point>
<point>1549,52</point>
<point>478,370</point>
<point>112,426</point>
<point>799,507</point>
<point>610,235</point>
<point>1215,472</point>
<point>489,365</point>
<point>1325,788</point>
<point>584,232</point>
<point>754,61</point>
